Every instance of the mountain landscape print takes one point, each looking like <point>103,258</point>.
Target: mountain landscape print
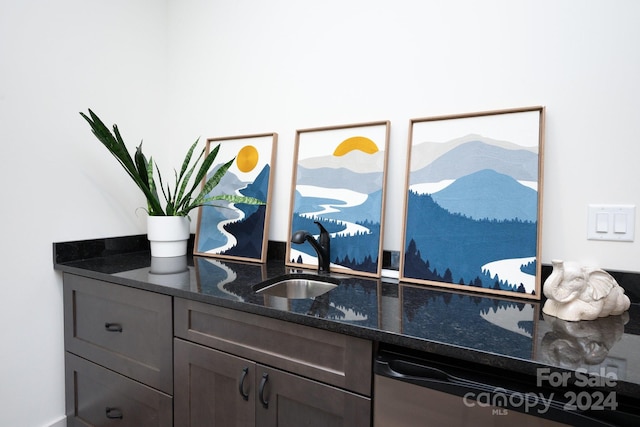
<point>238,231</point>
<point>472,202</point>
<point>339,181</point>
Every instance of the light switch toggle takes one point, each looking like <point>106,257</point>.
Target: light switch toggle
<point>602,222</point>
<point>611,222</point>
<point>620,223</point>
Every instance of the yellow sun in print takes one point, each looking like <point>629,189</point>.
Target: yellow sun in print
<point>247,158</point>
<point>361,143</point>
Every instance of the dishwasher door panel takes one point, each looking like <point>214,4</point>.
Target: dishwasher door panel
<point>401,404</point>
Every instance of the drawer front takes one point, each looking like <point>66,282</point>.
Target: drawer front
<point>325,356</point>
<point>124,329</point>
<point>96,396</point>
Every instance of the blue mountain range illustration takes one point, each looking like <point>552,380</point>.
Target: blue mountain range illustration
<point>476,155</point>
<point>259,187</point>
<point>489,194</point>
<point>248,231</point>
<point>340,178</point>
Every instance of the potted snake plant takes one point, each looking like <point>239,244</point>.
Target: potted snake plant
<point>168,205</point>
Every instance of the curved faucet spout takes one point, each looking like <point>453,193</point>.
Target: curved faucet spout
<point>321,246</point>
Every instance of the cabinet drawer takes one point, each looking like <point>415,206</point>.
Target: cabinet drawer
<point>124,329</point>
<point>324,356</point>
<point>96,396</point>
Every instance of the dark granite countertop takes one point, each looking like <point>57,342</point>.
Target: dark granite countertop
<point>479,330</point>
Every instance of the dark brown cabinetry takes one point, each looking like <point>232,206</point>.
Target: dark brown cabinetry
<point>139,358</point>
<point>119,356</point>
<point>313,377</point>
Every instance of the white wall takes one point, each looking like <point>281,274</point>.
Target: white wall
<point>169,71</point>
<point>240,67</point>
<point>56,59</point>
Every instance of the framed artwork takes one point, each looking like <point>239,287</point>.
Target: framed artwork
<point>473,202</point>
<point>227,230</point>
<point>339,176</point>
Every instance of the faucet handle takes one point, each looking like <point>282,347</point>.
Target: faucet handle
<point>324,235</point>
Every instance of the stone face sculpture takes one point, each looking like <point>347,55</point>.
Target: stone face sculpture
<point>576,292</point>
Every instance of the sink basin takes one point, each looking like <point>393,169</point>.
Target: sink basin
<point>297,288</point>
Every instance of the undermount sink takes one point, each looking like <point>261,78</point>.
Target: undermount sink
<point>296,288</point>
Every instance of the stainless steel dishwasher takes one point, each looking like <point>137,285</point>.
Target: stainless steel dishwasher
<point>413,390</point>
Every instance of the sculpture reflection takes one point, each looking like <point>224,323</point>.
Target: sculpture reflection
<point>574,344</point>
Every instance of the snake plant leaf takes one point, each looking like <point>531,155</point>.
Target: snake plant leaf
<point>188,204</point>
<point>160,183</point>
<point>233,199</point>
<point>152,201</point>
<point>142,165</point>
<point>145,171</point>
<point>179,200</point>
<point>187,159</point>
<point>207,201</point>
<point>114,146</point>
<point>206,164</point>
<point>170,199</point>
<point>212,182</point>
<point>114,143</point>
<point>183,181</point>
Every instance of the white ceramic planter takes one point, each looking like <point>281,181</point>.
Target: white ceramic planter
<point>168,235</point>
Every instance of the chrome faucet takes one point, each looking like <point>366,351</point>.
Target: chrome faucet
<point>321,246</point>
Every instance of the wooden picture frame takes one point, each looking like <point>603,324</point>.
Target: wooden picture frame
<point>473,202</point>
<point>239,232</point>
<point>339,180</point>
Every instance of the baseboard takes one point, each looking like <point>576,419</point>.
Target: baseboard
<point>62,422</point>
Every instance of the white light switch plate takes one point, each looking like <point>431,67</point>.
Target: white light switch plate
<point>611,222</point>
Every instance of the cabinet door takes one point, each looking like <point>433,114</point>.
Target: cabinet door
<point>286,400</point>
<point>212,388</point>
